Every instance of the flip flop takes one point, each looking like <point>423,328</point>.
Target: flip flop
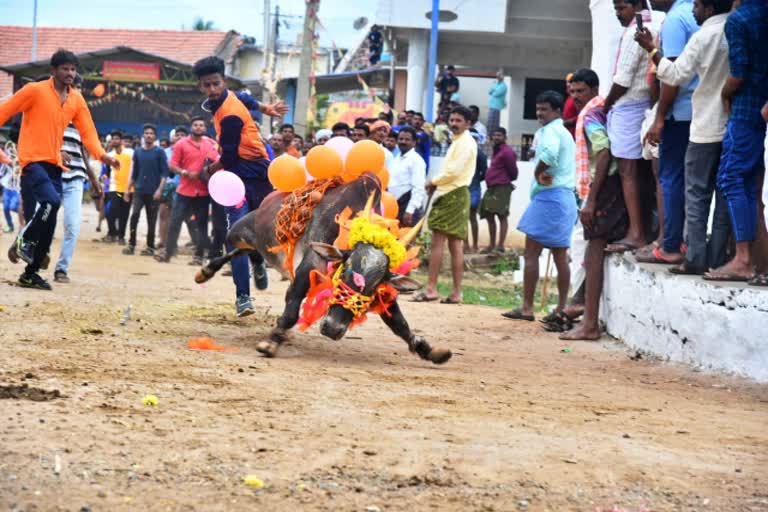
<point>423,297</point>
<point>725,277</point>
<point>517,314</point>
<point>620,247</point>
<point>657,257</point>
<point>759,280</point>
<point>449,300</point>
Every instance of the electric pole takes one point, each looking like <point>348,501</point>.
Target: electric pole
<point>305,67</point>
<point>34,32</point>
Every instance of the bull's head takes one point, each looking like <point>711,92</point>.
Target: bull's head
<point>360,272</point>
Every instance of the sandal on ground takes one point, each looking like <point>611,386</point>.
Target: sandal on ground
<point>759,280</point>
<point>449,300</point>
<point>517,314</point>
<point>684,270</point>
<point>717,275</point>
<point>423,297</point>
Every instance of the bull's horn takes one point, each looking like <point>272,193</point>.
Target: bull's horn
<point>368,206</point>
<point>413,233</point>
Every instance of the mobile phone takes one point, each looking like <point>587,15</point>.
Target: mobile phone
<point>639,21</point>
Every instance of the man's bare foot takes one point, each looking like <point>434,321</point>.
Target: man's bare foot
<point>581,333</point>
<point>574,311</point>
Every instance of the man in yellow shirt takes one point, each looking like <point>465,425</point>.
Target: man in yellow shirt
<point>48,107</point>
<point>117,217</point>
<point>450,211</point>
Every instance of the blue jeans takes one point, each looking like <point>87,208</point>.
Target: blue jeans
<point>71,202</point>
<point>41,197</point>
<point>740,166</point>
<point>10,205</point>
<point>672,179</point>
<point>256,189</point>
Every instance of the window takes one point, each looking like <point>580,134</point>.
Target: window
<point>534,87</point>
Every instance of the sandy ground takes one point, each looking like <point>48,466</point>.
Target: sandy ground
<point>511,423</point>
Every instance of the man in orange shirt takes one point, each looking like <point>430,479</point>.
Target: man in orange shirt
<point>243,153</point>
<point>48,107</point>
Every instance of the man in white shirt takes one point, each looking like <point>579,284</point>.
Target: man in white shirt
<point>705,55</point>
<point>626,103</point>
<point>407,177</point>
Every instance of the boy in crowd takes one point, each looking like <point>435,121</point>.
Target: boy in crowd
<point>148,177</point>
<point>499,178</point>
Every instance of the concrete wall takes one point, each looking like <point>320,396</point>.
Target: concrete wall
<point>250,64</point>
<point>686,319</point>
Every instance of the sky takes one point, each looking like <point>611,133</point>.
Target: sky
<point>244,16</point>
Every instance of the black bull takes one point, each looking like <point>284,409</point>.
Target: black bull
<point>256,232</point>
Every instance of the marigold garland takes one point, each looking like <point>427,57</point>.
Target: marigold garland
<point>363,231</point>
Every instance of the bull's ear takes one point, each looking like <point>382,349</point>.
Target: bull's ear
<point>327,251</point>
<point>404,283</point>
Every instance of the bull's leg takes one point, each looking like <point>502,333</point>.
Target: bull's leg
<point>293,298</point>
<point>399,325</point>
<point>213,266</point>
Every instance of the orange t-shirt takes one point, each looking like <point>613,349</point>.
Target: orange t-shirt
<point>45,119</point>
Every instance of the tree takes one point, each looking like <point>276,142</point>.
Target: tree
<point>203,25</point>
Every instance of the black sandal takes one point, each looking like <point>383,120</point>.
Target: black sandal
<point>517,314</point>
<point>759,280</point>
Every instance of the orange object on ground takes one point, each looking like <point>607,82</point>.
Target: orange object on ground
<point>207,344</point>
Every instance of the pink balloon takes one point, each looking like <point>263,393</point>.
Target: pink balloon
<point>226,188</point>
<point>341,145</point>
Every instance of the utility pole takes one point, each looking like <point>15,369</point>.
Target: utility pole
<point>305,65</point>
<point>34,32</point>
<point>273,44</point>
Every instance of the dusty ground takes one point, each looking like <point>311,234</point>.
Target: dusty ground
<point>511,423</point>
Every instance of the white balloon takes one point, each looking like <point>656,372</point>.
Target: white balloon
<point>341,145</point>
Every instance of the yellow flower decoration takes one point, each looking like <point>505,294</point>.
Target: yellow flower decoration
<point>364,231</point>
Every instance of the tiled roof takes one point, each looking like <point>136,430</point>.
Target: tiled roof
<point>179,45</point>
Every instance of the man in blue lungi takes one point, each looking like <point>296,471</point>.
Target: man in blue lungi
<point>549,220</point>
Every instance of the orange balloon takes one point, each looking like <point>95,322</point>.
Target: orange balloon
<point>286,173</point>
<point>323,162</point>
<point>98,91</point>
<point>383,175</point>
<point>365,155</point>
<point>389,204</point>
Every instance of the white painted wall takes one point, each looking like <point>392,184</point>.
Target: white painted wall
<point>251,65</point>
<point>687,320</point>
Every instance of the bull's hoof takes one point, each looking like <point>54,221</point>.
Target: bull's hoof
<point>439,355</point>
<point>203,275</point>
<point>268,348</point>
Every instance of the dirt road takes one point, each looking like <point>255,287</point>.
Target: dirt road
<point>511,423</point>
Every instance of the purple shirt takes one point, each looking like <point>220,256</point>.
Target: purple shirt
<point>503,168</point>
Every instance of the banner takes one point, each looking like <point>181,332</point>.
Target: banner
<point>131,71</point>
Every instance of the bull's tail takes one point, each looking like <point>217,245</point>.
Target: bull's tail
<point>207,272</point>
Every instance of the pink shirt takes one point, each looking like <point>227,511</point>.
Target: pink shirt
<point>190,156</point>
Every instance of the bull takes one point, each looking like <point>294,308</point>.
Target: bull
<point>313,250</point>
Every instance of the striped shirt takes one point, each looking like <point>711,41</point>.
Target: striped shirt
<point>632,65</point>
<point>73,146</point>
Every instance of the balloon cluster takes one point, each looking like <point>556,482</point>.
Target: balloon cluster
<point>337,157</point>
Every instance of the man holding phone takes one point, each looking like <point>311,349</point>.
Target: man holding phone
<point>629,98</point>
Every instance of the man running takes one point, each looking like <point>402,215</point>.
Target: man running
<point>48,107</point>
<point>243,153</point>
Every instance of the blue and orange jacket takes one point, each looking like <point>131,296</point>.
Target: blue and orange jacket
<point>242,150</point>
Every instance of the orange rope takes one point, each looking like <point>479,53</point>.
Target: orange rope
<point>295,214</point>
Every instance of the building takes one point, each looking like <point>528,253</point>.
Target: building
<point>535,43</point>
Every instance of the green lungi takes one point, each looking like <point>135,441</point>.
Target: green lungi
<point>496,201</point>
<point>450,213</point>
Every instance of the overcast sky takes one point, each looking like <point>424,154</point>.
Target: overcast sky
<point>244,16</point>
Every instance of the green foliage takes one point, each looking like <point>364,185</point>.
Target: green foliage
<point>202,25</point>
<point>505,264</point>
